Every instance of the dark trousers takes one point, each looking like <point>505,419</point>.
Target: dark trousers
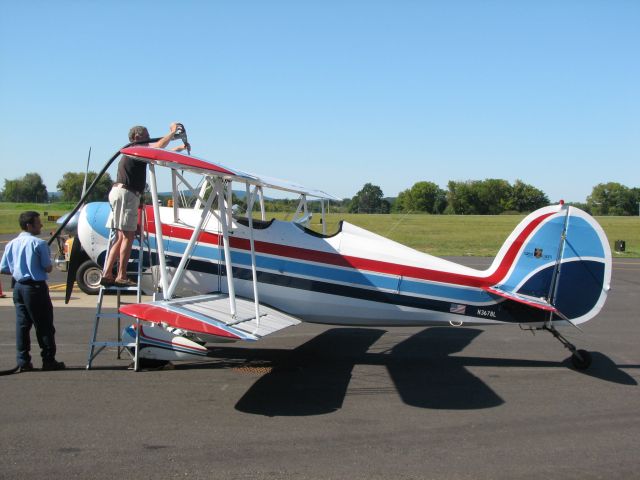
<point>34,307</point>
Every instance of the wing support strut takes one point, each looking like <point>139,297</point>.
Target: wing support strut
<point>219,188</point>
<point>158,224</point>
<point>177,277</point>
<point>263,214</point>
<point>254,272</point>
<point>174,195</point>
<point>302,213</point>
<point>203,191</point>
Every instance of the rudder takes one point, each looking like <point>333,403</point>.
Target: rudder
<point>564,259</point>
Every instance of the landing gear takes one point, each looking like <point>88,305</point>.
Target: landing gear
<point>581,359</point>
<point>88,277</point>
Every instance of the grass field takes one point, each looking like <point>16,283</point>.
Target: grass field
<point>9,213</point>
<point>440,235</point>
<point>473,235</point>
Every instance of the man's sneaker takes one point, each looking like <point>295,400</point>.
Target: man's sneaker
<point>27,367</point>
<point>52,365</point>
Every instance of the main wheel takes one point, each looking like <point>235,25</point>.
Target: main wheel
<point>581,359</point>
<point>88,277</point>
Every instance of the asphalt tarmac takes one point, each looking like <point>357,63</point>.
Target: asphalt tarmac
<point>322,402</point>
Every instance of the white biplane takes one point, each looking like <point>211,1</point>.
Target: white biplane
<point>218,276</point>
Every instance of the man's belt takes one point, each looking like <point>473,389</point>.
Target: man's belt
<point>32,282</point>
<point>127,187</point>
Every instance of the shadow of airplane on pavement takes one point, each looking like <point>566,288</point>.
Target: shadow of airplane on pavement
<point>313,378</point>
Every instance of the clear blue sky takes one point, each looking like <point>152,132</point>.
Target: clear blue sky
<point>331,94</point>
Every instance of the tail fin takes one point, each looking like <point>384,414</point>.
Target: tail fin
<point>557,259</point>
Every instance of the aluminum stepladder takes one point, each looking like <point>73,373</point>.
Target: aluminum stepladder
<point>96,346</point>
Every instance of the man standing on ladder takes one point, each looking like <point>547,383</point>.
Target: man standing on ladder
<point>124,199</point>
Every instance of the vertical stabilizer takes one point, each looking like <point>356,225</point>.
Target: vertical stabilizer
<point>562,258</point>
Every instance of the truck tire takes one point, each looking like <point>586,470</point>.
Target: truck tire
<point>88,277</point>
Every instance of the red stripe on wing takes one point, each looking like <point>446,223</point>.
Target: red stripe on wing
<point>157,314</point>
<point>160,155</point>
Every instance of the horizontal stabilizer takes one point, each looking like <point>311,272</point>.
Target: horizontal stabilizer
<point>526,299</point>
<point>210,315</point>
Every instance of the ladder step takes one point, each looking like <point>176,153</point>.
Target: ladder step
<point>114,288</point>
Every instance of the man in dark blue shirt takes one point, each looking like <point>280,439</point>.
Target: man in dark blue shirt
<point>124,199</point>
<point>27,259</point>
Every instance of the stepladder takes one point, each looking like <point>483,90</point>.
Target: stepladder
<point>139,265</point>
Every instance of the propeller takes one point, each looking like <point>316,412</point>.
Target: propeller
<point>75,260</point>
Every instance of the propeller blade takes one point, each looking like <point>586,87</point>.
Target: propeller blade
<point>75,259</point>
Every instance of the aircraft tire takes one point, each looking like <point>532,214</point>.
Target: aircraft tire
<point>581,362</point>
<point>88,277</point>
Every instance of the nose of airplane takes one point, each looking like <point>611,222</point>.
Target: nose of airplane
<point>92,228</point>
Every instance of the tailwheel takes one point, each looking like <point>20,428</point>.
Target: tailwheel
<point>581,359</point>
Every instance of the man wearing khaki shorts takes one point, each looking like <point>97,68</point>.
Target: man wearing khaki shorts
<point>124,199</point>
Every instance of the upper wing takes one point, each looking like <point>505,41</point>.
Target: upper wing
<point>168,158</point>
<point>209,315</point>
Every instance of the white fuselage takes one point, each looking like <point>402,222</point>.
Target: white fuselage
<point>354,277</point>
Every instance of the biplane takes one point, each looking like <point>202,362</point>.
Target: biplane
<point>218,276</point>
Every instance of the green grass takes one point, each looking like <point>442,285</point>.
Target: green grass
<point>9,213</point>
<point>440,235</point>
<point>473,235</point>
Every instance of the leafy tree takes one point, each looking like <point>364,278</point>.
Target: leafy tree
<point>493,196</point>
<point>635,195</point>
<point>12,191</point>
<point>613,199</point>
<point>402,203</point>
<point>369,200</point>
<point>581,206</point>
<point>71,186</point>
<point>422,197</point>
<point>462,197</point>
<point>526,198</point>
<point>29,188</point>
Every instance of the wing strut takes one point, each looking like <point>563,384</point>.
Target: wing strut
<point>192,242</point>
<point>159,238</point>
<point>174,195</point>
<point>263,215</point>
<point>219,188</point>
<point>203,191</point>
<point>302,208</point>
<point>254,273</point>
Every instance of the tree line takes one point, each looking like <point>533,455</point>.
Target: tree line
<point>472,197</point>
<point>31,188</point>
<point>486,197</point>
